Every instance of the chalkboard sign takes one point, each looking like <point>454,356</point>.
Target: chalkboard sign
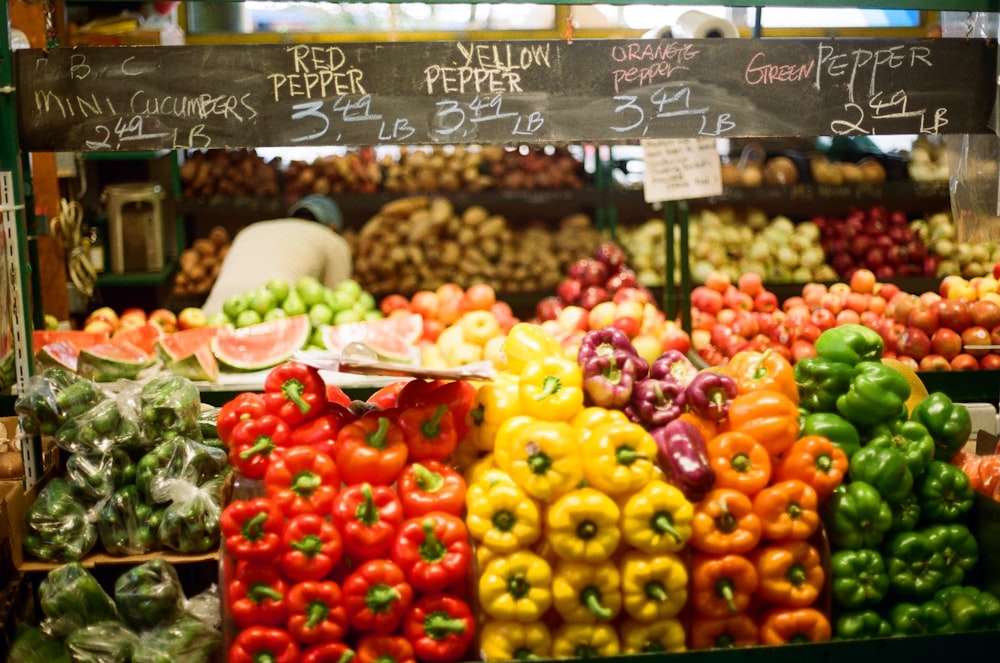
<point>181,97</point>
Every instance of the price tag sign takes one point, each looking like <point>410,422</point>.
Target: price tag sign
<point>678,169</point>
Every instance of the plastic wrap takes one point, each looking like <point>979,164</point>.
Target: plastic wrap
<point>54,397</point>
<point>111,423</point>
<point>59,528</point>
<point>973,158</point>
<point>170,404</point>
<point>71,598</point>
<point>149,595</point>
<point>127,525</point>
<point>177,458</point>
<point>32,645</point>
<point>103,642</point>
<point>186,640</point>
<point>190,523</point>
<point>96,475</point>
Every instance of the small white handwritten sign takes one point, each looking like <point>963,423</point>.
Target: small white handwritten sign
<point>676,169</point>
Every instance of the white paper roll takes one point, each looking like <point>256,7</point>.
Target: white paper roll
<point>694,24</point>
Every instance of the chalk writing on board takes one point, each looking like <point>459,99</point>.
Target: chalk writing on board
<point>317,72</point>
<point>462,119</point>
<point>656,60</point>
<point>664,104</point>
<point>486,68</point>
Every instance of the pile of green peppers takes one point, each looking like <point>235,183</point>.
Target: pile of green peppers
<point>901,549</point>
<point>144,468</point>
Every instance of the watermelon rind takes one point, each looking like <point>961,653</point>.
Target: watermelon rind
<point>57,354</point>
<point>182,344</point>
<point>262,345</point>
<point>112,360</point>
<point>200,365</point>
<point>392,339</point>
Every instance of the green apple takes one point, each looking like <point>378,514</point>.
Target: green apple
<point>51,322</point>
<point>367,300</point>
<point>279,288</point>
<point>220,319</point>
<point>293,304</point>
<point>351,287</point>
<point>347,315</point>
<point>310,290</point>
<point>320,314</point>
<point>248,317</point>
<point>274,314</point>
<point>261,300</point>
<point>234,305</point>
<point>372,315</point>
<point>316,338</point>
<point>339,301</point>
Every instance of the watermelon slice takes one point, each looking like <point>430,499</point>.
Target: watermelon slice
<point>393,339</point>
<point>57,354</point>
<point>79,338</point>
<point>262,345</point>
<point>114,359</point>
<point>188,353</point>
<point>142,336</point>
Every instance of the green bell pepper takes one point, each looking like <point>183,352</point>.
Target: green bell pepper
<point>32,645</point>
<point>861,625</point>
<point>177,458</point>
<point>170,404</point>
<point>948,423</point>
<point>850,344</point>
<point>878,393</point>
<point>858,578</point>
<point>959,548</point>
<point>929,617</point>
<point>149,595</point>
<point>944,493</point>
<point>915,564</point>
<point>58,527</point>
<point>885,469</point>
<point>821,381</point>
<point>909,437</point>
<point>103,642</point>
<point>833,427</point>
<point>71,598</point>
<point>856,516</point>
<point>970,608</point>
<point>95,475</point>
<point>127,525</point>
<point>905,513</point>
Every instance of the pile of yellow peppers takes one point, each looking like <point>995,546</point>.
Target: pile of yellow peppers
<point>578,535</point>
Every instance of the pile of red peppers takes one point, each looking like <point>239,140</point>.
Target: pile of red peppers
<point>355,546</point>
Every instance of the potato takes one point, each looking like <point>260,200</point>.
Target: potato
<point>204,247</point>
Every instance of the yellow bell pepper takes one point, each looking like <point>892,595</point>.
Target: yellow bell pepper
<point>585,641</point>
<point>516,586</point>
<point>589,418</point>
<point>585,593</point>
<point>495,402</point>
<point>655,587</point>
<point>502,516</point>
<point>582,526</point>
<point>666,636</point>
<point>503,640</point>
<point>483,555</point>
<point>466,454</point>
<point>486,470</point>
<point>657,518</point>
<point>543,457</point>
<point>525,342</point>
<point>620,457</point>
<point>551,388</point>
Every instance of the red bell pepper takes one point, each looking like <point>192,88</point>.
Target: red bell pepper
<point>379,648</point>
<point>316,612</point>
<point>385,397</point>
<point>415,392</point>
<point>441,628</point>
<point>328,652</point>
<point>254,442</point>
<point>262,644</point>
<point>458,395</point>
<point>336,395</point>
<point>371,450</point>
<point>321,433</point>
<point>312,547</point>
<point>433,551</point>
<point>429,431</point>
<point>376,596</point>
<point>368,517</point>
<point>295,391</point>
<point>252,529</point>
<point>302,480</point>
<point>430,486</point>
<point>257,595</point>
<point>248,405</point>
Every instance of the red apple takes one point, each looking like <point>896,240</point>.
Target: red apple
<point>569,290</point>
<point>823,318</point>
<point>622,278</point>
<point>165,319</point>
<point>745,324</point>
<point>99,326</point>
<point>630,326</point>
<point>946,342</point>
<point>705,299</point>
<point>990,362</point>
<point>610,254</point>
<point>104,313</point>
<point>913,342</point>
<point>572,318</point>
<point>923,317</point>
<point>801,349</point>
<point>674,337</point>
<point>765,301</point>
<point>933,363</point>
<point>985,313</point>
<point>632,294</point>
<point>954,314</point>
<point>589,272</point>
<point>133,317</point>
<point>648,347</point>
<point>191,318</point>
<point>592,295</point>
<point>548,308</point>
<point>603,315</point>
<point>751,283</point>
<point>504,315</point>
<point>964,362</point>
<point>976,336</point>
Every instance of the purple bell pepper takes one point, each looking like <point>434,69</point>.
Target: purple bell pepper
<point>610,340</point>
<point>609,378</point>
<point>683,456</point>
<point>656,402</point>
<point>673,364</point>
<point>708,395</point>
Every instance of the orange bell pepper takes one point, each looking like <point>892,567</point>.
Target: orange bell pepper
<point>724,522</point>
<point>721,585</point>
<point>706,427</point>
<point>739,461</point>
<point>739,630</point>
<point>781,626</point>
<point>787,510</point>
<point>763,370</point>
<point>815,460</point>
<point>768,416</point>
<point>790,573</point>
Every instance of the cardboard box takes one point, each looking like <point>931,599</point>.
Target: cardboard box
<point>50,452</point>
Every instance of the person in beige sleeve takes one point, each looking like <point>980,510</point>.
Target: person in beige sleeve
<point>306,244</point>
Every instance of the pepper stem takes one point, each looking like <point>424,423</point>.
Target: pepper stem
<point>504,520</point>
<point>260,592</point>
<point>262,446</point>
<point>253,528</point>
<point>478,414</point>
<point>518,587</point>
<point>652,646</point>
<point>796,575</point>
<point>427,481</point>
<point>380,598</point>
<point>591,597</point>
<point>377,438</point>
<point>724,588</point>
<point>626,455</point>
<point>317,612</point>
<point>305,483</point>
<point>794,510</point>
<point>539,462</point>
<point>431,428</point>
<point>584,650</point>
<point>759,370</point>
<point>613,372</point>
<point>264,657</point>
<point>741,462</point>
<point>386,658</point>
<point>586,530</point>
<point>550,385</point>
<point>655,590</point>
<point>726,522</point>
<point>662,522</point>
<point>346,657</point>
<point>525,654</point>
<point>439,625</point>
<point>431,550</point>
<point>824,463</point>
<point>309,545</point>
<point>725,641</point>
<point>293,390</point>
<point>367,511</point>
